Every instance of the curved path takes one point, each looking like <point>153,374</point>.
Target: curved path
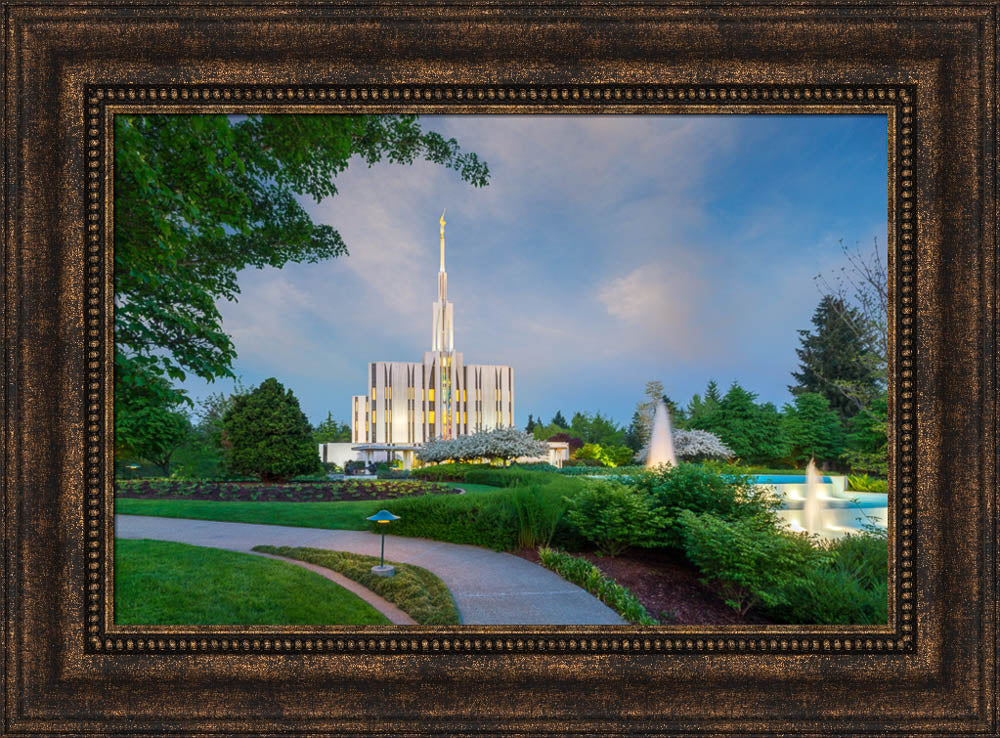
<point>489,588</point>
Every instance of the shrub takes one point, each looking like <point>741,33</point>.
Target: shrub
<point>865,483</point>
<point>615,517</point>
<point>509,477</point>
<point>852,589</point>
<point>700,490</point>
<point>747,560</point>
<point>582,470</point>
<point>537,512</point>
<point>267,434</point>
<point>584,574</point>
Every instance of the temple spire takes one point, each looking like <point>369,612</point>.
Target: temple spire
<point>442,240</point>
<point>444,331</point>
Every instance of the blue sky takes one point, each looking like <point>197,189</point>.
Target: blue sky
<point>606,251</point>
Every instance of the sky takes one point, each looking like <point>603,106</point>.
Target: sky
<point>605,252</point>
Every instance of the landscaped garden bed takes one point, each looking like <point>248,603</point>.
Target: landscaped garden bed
<point>347,490</point>
<point>666,585</point>
<point>416,591</point>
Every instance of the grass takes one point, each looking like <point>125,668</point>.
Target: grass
<point>326,515</point>
<point>416,591</point>
<point>162,583</point>
<point>348,515</point>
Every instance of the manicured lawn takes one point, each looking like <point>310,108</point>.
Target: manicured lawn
<point>328,515</point>
<point>162,583</point>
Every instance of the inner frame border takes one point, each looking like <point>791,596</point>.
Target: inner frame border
<point>103,102</point>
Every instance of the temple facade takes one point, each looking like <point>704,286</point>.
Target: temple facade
<point>441,397</point>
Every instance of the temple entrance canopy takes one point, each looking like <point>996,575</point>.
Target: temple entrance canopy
<point>387,452</point>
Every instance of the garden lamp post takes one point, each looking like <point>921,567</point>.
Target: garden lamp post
<point>383,518</point>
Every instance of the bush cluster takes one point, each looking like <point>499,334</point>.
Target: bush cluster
<point>527,510</point>
<point>615,517</point>
<point>582,470</point>
<point>484,519</point>
<point>851,588</point>
<point>697,489</point>
<point>748,561</point>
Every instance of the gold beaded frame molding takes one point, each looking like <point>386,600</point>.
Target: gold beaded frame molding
<point>930,68</point>
<point>896,103</point>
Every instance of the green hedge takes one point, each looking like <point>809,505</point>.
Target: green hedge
<point>528,513</point>
<point>611,471</point>
<point>447,472</point>
<point>482,519</point>
<point>584,574</point>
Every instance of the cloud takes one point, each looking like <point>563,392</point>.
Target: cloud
<point>657,307</point>
<point>606,250</point>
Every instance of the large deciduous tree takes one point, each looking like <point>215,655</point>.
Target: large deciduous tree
<point>154,426</point>
<point>266,434</point>
<point>200,197</point>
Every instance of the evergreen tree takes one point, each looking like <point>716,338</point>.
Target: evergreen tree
<point>868,440</point>
<point>678,417</point>
<point>559,420</point>
<point>701,413</point>
<point>331,431</point>
<point>267,434</point>
<point>636,436</point>
<point>813,430</point>
<point>837,359</point>
<point>530,427</point>
<point>752,431</point>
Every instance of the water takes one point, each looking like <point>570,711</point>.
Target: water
<point>813,506</point>
<point>661,442</point>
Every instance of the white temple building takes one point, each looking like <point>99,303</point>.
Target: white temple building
<point>441,397</point>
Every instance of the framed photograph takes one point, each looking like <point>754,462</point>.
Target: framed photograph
<point>457,369</point>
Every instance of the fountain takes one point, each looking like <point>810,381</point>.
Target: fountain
<point>812,507</point>
<point>661,441</point>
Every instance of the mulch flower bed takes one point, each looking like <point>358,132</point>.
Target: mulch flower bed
<point>340,491</point>
<point>667,586</point>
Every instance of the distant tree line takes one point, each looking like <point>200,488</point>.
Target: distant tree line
<point>839,411</point>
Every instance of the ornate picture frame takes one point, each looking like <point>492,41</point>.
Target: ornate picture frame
<point>69,69</point>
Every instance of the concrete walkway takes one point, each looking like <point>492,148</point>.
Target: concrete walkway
<point>489,588</point>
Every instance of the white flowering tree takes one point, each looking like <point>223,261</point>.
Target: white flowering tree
<point>501,443</point>
<point>694,444</point>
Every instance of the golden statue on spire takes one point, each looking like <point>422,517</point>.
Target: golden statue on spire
<point>442,221</point>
